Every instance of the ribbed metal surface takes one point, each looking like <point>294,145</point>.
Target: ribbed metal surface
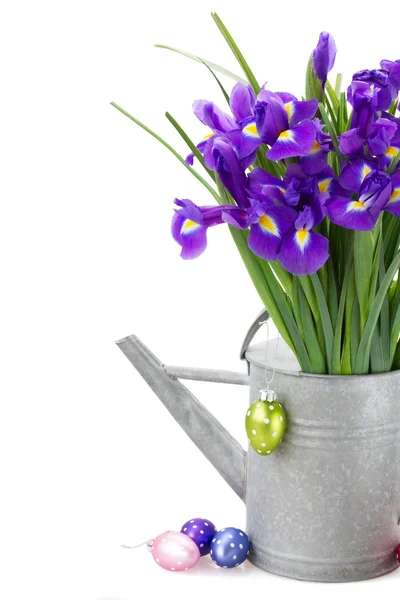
<point>326,505</point>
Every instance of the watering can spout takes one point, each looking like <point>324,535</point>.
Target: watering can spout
<point>214,441</point>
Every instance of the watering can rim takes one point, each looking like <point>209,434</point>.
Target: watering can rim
<point>256,355</point>
<point>259,349</point>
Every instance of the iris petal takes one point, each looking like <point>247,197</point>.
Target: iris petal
<point>262,186</point>
<point>349,213</point>
<point>297,141</point>
<point>354,173</point>
<point>212,116</point>
<point>263,240</point>
<point>303,252</point>
<point>265,236</point>
<point>242,101</point>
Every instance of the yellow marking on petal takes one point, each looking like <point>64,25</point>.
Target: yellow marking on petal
<point>251,129</point>
<point>315,147</point>
<point>188,225</point>
<point>356,205</point>
<point>324,184</point>
<point>206,137</point>
<point>392,152</point>
<point>269,224</point>
<point>395,197</point>
<point>289,109</point>
<point>366,171</point>
<point>302,237</point>
<point>286,135</point>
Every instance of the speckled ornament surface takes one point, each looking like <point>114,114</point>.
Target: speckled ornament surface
<point>201,531</point>
<point>175,551</point>
<point>265,426</point>
<point>229,547</point>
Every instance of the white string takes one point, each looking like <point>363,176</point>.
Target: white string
<point>146,543</point>
<point>269,381</point>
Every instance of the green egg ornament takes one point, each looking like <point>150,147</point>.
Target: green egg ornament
<point>265,425</point>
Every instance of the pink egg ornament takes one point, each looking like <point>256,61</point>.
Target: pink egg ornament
<point>175,551</point>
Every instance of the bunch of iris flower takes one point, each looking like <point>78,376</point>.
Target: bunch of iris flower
<point>310,190</point>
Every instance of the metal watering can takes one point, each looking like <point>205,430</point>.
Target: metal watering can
<point>325,506</point>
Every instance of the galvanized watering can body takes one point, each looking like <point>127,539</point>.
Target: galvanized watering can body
<point>325,506</point>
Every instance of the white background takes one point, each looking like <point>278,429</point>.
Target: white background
<point>89,457</point>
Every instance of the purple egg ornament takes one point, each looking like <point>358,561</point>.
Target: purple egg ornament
<point>201,531</point>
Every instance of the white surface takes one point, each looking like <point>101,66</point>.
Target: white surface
<point>90,459</point>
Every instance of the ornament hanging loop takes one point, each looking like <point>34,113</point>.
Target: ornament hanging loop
<point>268,395</point>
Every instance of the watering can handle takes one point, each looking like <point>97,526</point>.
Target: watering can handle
<point>260,320</point>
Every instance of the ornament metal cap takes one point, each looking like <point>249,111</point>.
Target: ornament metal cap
<point>267,395</point>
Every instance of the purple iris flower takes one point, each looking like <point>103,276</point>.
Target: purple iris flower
<point>373,189</point>
<point>230,170</point>
<point>303,251</point>
<point>317,158</point>
<point>364,99</point>
<point>262,186</point>
<point>190,224</point>
<point>383,135</point>
<point>282,122</point>
<point>242,102</point>
<point>378,80</point>
<point>302,191</point>
<point>323,57</point>
<point>393,204</point>
<point>392,68</point>
<point>270,223</point>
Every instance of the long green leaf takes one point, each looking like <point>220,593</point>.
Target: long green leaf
<point>338,84</point>
<point>170,148</point>
<point>191,145</point>
<point>351,298</point>
<point>296,307</point>
<point>325,318</point>
<point>310,336</point>
<point>384,319</point>
<point>394,318</point>
<point>355,334</point>
<point>308,289</point>
<point>363,258</point>
<point>238,55</point>
<point>210,64</point>
<point>332,96</point>
<point>284,277</point>
<point>377,361</point>
<point>396,358</point>
<point>330,128</point>
<point>363,353</point>
<point>287,315</point>
<point>332,292</point>
<point>221,87</point>
<point>337,343</point>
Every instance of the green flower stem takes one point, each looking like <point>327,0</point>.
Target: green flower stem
<point>238,55</point>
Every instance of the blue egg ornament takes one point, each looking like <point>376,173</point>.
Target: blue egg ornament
<point>229,547</point>
<point>201,531</point>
